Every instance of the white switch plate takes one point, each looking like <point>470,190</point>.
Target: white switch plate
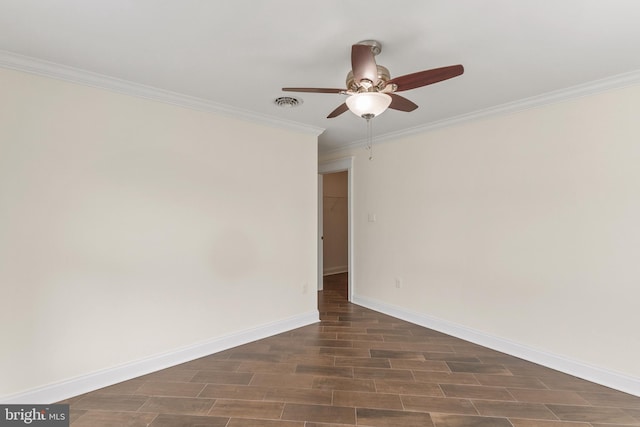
<point>372,217</point>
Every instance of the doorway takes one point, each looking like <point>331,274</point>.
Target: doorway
<point>335,256</point>
<point>335,209</point>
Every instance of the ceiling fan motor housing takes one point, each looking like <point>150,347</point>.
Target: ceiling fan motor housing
<point>365,86</point>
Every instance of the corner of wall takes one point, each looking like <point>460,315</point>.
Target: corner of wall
<point>576,368</point>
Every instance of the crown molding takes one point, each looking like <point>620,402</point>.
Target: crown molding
<point>590,88</point>
<point>53,70</point>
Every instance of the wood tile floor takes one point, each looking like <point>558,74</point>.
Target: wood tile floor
<point>356,367</point>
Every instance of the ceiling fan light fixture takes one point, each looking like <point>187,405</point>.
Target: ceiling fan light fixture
<point>369,104</point>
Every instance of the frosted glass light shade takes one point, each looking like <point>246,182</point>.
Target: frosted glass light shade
<point>362,104</point>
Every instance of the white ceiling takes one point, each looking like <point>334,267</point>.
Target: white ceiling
<point>240,53</point>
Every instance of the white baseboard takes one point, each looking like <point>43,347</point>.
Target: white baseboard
<point>560,363</point>
<point>96,380</point>
<point>327,271</point>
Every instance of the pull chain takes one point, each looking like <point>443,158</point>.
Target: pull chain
<point>369,145</point>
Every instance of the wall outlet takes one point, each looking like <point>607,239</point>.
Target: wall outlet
<point>305,287</point>
<point>398,282</point>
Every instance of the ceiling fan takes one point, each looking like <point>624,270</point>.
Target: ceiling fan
<point>371,88</point>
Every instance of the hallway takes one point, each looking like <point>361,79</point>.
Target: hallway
<point>356,367</point>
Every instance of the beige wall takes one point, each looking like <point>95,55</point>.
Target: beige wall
<point>131,228</point>
<point>335,223</point>
<point>524,227</point>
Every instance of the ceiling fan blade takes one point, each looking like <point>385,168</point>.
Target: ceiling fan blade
<point>363,63</point>
<point>341,109</point>
<point>401,103</point>
<point>313,90</point>
<point>427,77</point>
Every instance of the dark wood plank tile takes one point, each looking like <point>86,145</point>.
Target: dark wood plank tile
<point>266,367</point>
<point>356,319</point>
<point>177,405</point>
<point>547,396</point>
<point>263,357</point>
<point>510,381</point>
<point>592,414</point>
<point>444,378</point>
<point>476,392</point>
<point>410,338</point>
<point>407,387</point>
<point>536,411</point>
<point>283,380</point>
<point>396,354</point>
<point>333,383</point>
<point>388,331</point>
<point>104,418</point>
<point>111,402</point>
<point>448,405</point>
<point>316,333</point>
<point>464,347</point>
<point>299,395</point>
<point>450,357</point>
<point>363,362</point>
<point>176,389</point>
<point>420,365</point>
<point>246,422</point>
<point>384,374</point>
<point>559,381</point>
<point>424,347</point>
<point>327,343</point>
<point>441,420</point>
<point>74,414</point>
<point>319,413</point>
<point>607,425</point>
<point>390,418</point>
<point>516,422</point>
<point>235,392</point>
<point>247,409</point>
<point>171,420</point>
<point>316,359</point>
<point>345,352</point>
<point>308,424</point>
<point>334,322</point>
<point>478,368</point>
<point>612,398</point>
<point>346,330</point>
<point>220,377</point>
<point>325,371</point>
<point>358,399</point>
<point>634,412</point>
<point>359,337</point>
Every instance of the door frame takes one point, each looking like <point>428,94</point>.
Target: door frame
<point>324,168</point>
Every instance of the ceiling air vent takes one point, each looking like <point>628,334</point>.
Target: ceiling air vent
<point>287,102</point>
